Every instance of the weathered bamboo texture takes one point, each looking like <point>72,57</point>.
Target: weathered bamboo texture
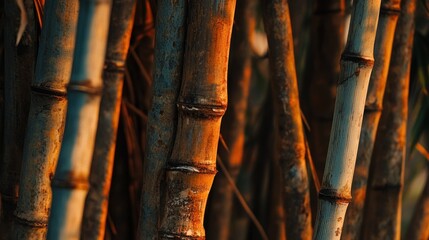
<point>234,122</point>
<point>356,67</point>
<point>382,216</point>
<point>162,119</point>
<point>419,225</point>
<point>201,104</point>
<point>46,119</point>
<point>389,12</point>
<point>320,86</point>
<point>96,203</point>
<point>290,145</point>
<point>71,180</point>
<point>19,72</point>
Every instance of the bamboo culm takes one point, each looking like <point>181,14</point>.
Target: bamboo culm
<point>96,203</point>
<point>355,71</point>
<point>46,118</point>
<point>201,104</point>
<point>162,119</point>
<point>71,180</point>
<point>290,145</point>
<point>382,216</point>
<point>389,12</point>
<point>19,72</point>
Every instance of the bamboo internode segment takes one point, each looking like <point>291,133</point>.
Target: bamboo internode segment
<point>383,47</point>
<point>71,180</point>
<point>356,67</point>
<point>201,104</point>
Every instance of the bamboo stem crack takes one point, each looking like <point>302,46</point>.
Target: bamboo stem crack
<point>198,169</point>
<point>202,111</point>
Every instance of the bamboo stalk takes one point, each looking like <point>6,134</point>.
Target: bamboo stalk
<point>233,124</point>
<point>276,219</point>
<point>201,105</point>
<point>389,13</point>
<point>70,183</point>
<point>19,72</point>
<point>382,217</point>
<point>356,66</point>
<point>95,211</point>
<point>46,119</point>
<point>169,50</point>
<point>290,142</point>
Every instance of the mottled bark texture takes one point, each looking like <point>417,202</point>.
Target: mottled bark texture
<point>19,72</point>
<point>290,145</point>
<point>382,217</point>
<point>162,122</point>
<point>96,203</point>
<point>418,228</point>
<point>219,210</point>
<point>201,104</point>
<point>389,12</point>
<point>71,180</point>
<point>355,71</point>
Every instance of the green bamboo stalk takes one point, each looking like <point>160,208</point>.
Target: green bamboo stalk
<point>95,211</point>
<point>169,50</point>
<point>382,217</point>
<point>389,13</point>
<point>19,72</point>
<point>201,105</point>
<point>356,66</point>
<point>46,119</point>
<point>71,180</point>
<point>290,142</point>
<point>233,124</point>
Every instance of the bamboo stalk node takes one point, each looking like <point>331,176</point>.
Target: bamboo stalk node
<point>390,11</point>
<point>168,235</point>
<point>373,107</point>
<point>199,169</point>
<point>357,58</point>
<point>9,198</point>
<point>201,111</point>
<point>113,66</point>
<point>332,195</point>
<point>85,87</point>
<point>30,222</point>
<point>43,90</point>
<point>72,183</point>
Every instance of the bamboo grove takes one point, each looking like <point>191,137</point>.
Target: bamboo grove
<point>210,119</point>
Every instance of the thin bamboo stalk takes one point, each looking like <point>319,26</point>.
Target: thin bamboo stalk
<point>162,119</point>
<point>234,121</point>
<point>201,105</point>
<point>46,119</point>
<point>19,72</point>
<point>290,144</point>
<point>276,220</point>
<point>389,13</point>
<point>382,217</point>
<point>71,180</point>
<point>95,211</point>
<point>356,66</point>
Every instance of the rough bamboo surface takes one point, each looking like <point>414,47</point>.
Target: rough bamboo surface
<point>382,217</point>
<point>71,180</point>
<point>19,72</point>
<point>220,208</point>
<point>201,105</point>
<point>290,144</point>
<point>162,119</point>
<point>46,119</point>
<point>95,211</point>
<point>355,71</point>
<point>389,12</point>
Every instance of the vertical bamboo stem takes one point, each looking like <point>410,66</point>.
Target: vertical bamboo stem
<point>162,119</point>
<point>70,183</point>
<point>95,212</point>
<point>382,216</point>
<point>389,13</point>
<point>356,66</point>
<point>201,105</point>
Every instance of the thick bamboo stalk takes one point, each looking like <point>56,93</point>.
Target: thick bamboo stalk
<point>290,145</point>
<point>356,66</point>
<point>389,13</point>
<point>19,72</point>
<point>162,119</point>
<point>201,105</point>
<point>382,217</point>
<point>96,203</point>
<point>234,121</point>
<point>46,119</point>
<point>71,180</point>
